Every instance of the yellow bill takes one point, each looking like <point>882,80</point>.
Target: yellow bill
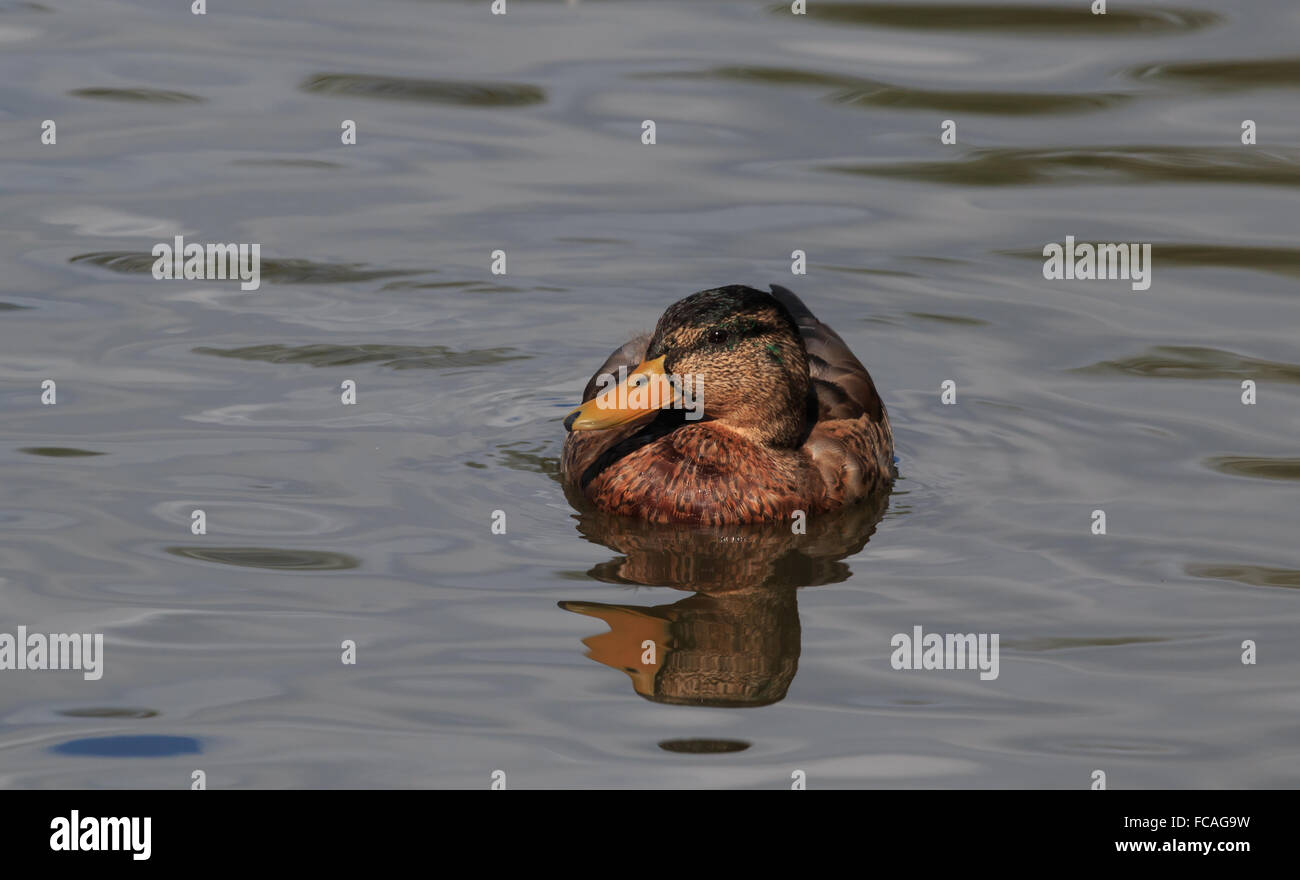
<point>647,388</point>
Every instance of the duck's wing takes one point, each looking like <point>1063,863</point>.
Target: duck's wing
<point>627,356</point>
<point>583,449</point>
<point>842,384</point>
<point>850,444</point>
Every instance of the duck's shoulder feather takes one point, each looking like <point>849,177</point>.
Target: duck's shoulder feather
<point>850,442</point>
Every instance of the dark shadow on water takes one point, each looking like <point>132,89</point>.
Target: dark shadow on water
<point>398,357</point>
<point>462,93</point>
<point>279,163</point>
<point>1066,166</point>
<point>139,96</point>
<point>529,459</point>
<point>736,641</point>
<point>1193,362</point>
<point>272,558</point>
<point>1073,19</point>
<point>703,746</point>
<point>468,286</point>
<point>109,712</point>
<point>861,92</point>
<point>1251,575</point>
<point>58,451</point>
<point>1256,466</point>
<point>1068,643</point>
<point>130,747</point>
<point>1225,75</point>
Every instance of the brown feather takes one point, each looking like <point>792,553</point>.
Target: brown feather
<point>665,469</point>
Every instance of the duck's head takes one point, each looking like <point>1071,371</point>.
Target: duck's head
<point>735,350</point>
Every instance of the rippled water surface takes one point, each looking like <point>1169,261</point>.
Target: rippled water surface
<point>520,652</point>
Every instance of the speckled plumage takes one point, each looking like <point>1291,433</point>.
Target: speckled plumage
<point>792,419</point>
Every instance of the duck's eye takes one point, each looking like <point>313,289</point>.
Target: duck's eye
<point>717,336</point>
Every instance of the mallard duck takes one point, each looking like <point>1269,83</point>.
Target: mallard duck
<point>790,419</point>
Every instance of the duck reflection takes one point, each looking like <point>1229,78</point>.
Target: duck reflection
<point>736,641</point>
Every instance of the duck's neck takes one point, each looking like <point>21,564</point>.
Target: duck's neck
<point>779,424</point>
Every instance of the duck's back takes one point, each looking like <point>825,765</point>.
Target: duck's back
<point>850,443</point>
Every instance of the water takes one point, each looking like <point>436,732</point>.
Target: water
<point>372,522</point>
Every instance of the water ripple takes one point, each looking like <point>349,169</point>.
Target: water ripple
<point>1006,166</point>
<point>462,93</point>
<point>1254,575</point>
<point>1258,258</point>
<point>1194,362</point>
<point>861,92</point>
<point>1074,20</point>
<point>274,271</point>
<point>399,357</point>
<point>1259,467</point>
<point>269,557</point>
<point>109,712</point>
<point>1230,75</point>
<point>58,451</point>
<point>146,96</point>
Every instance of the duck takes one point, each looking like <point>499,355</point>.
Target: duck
<point>740,407</point>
